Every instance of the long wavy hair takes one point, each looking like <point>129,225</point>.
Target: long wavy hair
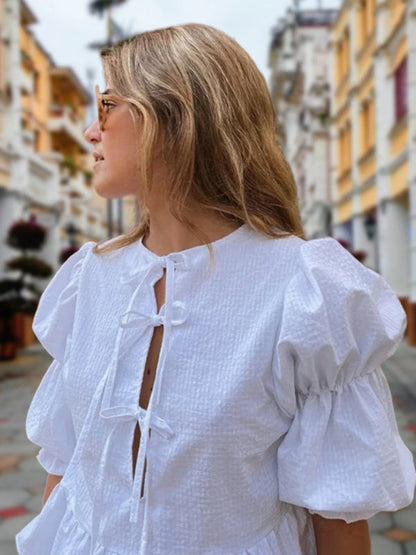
<point>198,89</point>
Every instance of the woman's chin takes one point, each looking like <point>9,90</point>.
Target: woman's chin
<point>104,187</point>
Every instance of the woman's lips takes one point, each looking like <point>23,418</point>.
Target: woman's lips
<point>97,163</point>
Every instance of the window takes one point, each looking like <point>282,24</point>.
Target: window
<point>344,148</point>
<point>373,14</point>
<point>37,140</point>
<point>36,83</point>
<point>400,90</point>
<point>346,52</point>
<point>366,19</point>
<point>348,146</point>
<point>363,21</point>
<point>367,125</point>
<point>3,67</point>
<point>343,56</point>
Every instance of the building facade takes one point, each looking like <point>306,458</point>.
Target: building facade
<point>45,162</point>
<point>371,133</point>
<point>300,87</point>
<point>373,114</point>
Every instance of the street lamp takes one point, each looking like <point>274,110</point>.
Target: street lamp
<point>71,231</point>
<point>371,229</point>
<point>99,6</point>
<point>370,225</point>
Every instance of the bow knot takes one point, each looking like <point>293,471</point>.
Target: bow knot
<point>157,320</point>
<point>177,261</point>
<point>139,319</point>
<point>179,315</point>
<point>171,314</point>
<point>138,413</point>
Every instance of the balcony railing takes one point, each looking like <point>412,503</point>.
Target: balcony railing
<point>64,119</point>
<point>75,186</point>
<point>5,163</point>
<point>41,181</point>
<point>26,82</point>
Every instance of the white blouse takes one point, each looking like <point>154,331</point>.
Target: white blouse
<point>269,402</point>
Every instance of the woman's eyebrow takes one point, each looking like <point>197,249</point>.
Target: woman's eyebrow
<point>107,91</point>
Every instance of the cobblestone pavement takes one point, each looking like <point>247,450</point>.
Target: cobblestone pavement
<point>22,479</point>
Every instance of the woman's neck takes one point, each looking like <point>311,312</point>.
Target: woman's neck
<point>166,234</point>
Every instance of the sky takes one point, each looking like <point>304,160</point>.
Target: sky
<point>66,28</point>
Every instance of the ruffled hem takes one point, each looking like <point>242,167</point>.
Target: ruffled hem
<point>292,536</point>
<point>55,531</point>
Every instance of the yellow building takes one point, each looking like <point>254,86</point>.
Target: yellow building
<point>372,151</point>
<point>54,108</point>
<point>54,104</point>
<point>45,162</point>
<point>6,154</point>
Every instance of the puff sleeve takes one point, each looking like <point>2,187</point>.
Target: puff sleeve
<point>342,456</point>
<point>53,319</point>
<point>49,420</point>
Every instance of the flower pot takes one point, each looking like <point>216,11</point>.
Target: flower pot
<point>22,329</point>
<point>8,350</point>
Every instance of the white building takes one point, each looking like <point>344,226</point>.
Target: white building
<point>300,87</point>
<point>373,115</point>
<point>43,110</point>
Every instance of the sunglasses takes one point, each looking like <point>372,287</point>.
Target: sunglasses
<point>104,104</point>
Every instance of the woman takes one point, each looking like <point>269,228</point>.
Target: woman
<point>216,385</point>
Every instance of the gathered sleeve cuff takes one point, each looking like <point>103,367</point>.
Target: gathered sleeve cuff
<point>342,456</point>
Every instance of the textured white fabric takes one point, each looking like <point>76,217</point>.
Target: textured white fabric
<point>269,401</point>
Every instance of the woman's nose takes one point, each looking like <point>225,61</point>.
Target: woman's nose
<point>92,133</point>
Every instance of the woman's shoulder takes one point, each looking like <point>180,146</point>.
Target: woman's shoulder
<point>270,259</point>
<point>325,255</point>
<point>271,248</point>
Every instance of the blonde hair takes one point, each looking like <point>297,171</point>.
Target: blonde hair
<point>198,89</point>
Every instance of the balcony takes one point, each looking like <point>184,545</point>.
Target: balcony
<point>94,223</point>
<point>5,163</point>
<point>41,181</point>
<point>26,82</point>
<point>28,137</point>
<point>65,122</point>
<point>76,216</point>
<point>74,187</point>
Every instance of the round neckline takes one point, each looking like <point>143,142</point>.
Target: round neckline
<point>225,239</point>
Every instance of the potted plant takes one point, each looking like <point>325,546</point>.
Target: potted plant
<point>69,163</point>
<point>19,297</point>
<point>88,174</point>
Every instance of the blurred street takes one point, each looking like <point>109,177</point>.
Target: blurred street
<point>22,479</point>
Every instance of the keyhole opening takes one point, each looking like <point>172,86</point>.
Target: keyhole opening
<point>149,374</point>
